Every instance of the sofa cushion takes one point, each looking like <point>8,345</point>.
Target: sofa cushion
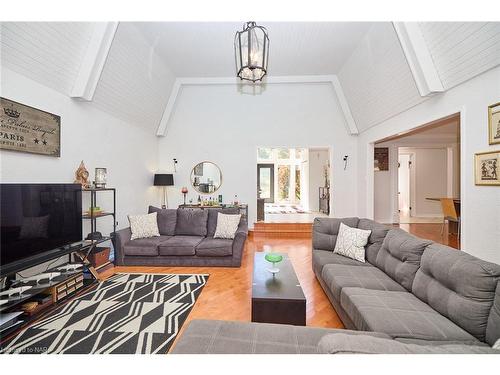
<point>191,222</point>
<point>325,231</point>
<point>338,276</point>
<point>144,246</point>
<point>399,314</point>
<point>379,231</point>
<point>229,337</point>
<point>340,343</point>
<point>459,286</point>
<point>166,218</point>
<point>322,257</point>
<point>493,327</point>
<point>399,256</point>
<point>214,247</point>
<point>212,217</point>
<point>180,245</point>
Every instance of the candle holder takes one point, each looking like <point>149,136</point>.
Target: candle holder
<point>184,192</point>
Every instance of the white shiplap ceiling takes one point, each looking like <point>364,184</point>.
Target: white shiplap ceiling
<point>197,49</point>
<point>146,58</point>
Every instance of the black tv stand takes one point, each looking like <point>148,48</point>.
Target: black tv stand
<point>82,247</point>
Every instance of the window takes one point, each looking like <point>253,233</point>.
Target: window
<point>283,153</point>
<point>284,182</point>
<point>265,153</point>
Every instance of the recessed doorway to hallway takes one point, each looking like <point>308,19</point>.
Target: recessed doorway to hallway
<point>421,184</point>
<point>292,184</point>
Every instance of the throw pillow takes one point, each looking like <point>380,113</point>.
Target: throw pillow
<point>496,345</point>
<point>191,222</point>
<point>143,226</point>
<point>351,242</point>
<point>227,225</point>
<point>167,219</point>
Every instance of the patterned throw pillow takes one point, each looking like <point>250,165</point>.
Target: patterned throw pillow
<point>143,226</point>
<point>227,225</point>
<point>496,345</point>
<point>351,242</point>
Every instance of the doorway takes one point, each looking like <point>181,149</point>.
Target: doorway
<point>289,182</point>
<point>404,185</point>
<point>265,182</point>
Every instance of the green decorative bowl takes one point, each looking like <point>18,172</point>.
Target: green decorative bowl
<point>273,257</point>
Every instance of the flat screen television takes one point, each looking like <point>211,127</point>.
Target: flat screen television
<point>38,222</point>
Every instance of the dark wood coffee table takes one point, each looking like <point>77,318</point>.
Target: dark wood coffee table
<point>279,298</point>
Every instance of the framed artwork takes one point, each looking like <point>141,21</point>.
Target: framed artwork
<point>27,129</point>
<point>381,159</point>
<point>494,123</point>
<point>487,168</point>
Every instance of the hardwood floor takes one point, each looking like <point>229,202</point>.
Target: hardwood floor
<point>227,295</point>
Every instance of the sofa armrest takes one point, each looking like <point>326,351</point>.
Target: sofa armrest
<point>122,237</point>
<point>239,242</point>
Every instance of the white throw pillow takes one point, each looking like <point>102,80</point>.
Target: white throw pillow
<point>227,225</point>
<point>496,345</point>
<point>351,242</point>
<point>143,226</point>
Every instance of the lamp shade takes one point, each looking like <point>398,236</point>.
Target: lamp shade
<point>164,179</point>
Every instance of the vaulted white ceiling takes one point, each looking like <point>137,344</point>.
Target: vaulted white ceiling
<point>146,59</point>
<point>197,49</point>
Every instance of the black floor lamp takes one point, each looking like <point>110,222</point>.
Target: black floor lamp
<point>164,179</point>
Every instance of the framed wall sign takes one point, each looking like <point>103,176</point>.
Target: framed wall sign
<point>487,168</point>
<point>494,123</point>
<point>27,129</point>
<point>381,159</point>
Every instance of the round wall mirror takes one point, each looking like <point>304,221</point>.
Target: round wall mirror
<point>206,177</point>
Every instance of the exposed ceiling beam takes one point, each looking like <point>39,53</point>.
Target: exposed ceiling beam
<point>419,58</point>
<point>93,61</point>
<point>332,79</point>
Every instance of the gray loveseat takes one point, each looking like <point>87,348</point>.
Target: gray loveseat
<point>409,296</point>
<point>186,239</point>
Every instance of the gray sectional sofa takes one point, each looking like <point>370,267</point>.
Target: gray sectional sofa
<point>186,239</point>
<point>409,296</point>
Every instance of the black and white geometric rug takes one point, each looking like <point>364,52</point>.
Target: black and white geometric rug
<point>127,314</point>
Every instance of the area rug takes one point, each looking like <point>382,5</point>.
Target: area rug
<point>127,314</point>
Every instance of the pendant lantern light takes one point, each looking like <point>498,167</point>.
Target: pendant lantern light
<point>251,47</point>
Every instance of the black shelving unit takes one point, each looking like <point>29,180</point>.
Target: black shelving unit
<point>92,216</point>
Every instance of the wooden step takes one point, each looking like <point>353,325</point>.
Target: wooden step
<point>282,230</point>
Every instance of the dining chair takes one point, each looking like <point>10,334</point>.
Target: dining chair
<point>449,213</point>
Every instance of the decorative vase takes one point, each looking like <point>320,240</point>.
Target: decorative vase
<point>273,258</point>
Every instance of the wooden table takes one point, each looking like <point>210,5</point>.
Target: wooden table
<point>278,298</point>
<point>452,225</point>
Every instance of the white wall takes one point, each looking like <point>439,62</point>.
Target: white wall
<point>220,124</point>
<point>317,160</point>
<point>429,181</point>
<point>128,152</point>
<point>480,204</point>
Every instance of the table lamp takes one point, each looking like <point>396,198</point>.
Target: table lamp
<point>164,180</point>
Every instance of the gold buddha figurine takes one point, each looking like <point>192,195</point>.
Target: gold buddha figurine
<point>82,176</point>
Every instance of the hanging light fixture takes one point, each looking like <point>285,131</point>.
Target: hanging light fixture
<point>251,48</point>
